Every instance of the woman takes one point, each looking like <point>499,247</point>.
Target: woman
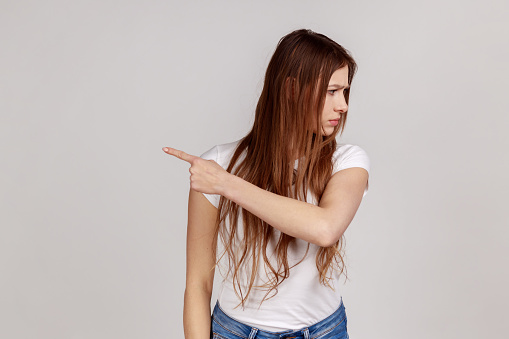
<point>278,201</point>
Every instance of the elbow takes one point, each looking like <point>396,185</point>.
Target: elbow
<point>328,242</point>
<point>330,234</point>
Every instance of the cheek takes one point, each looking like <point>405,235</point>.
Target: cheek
<point>327,107</point>
<point>325,113</point>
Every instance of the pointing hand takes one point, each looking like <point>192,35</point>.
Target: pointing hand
<point>207,176</point>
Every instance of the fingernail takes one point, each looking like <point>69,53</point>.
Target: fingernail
<point>165,149</point>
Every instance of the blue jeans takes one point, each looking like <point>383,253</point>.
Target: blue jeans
<point>332,327</point>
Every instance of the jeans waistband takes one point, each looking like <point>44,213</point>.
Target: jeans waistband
<point>245,331</point>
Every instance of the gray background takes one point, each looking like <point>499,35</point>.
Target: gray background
<point>93,213</point>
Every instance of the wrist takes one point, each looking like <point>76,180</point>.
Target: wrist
<point>229,184</point>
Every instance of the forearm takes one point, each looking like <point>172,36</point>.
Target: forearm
<point>293,217</point>
<point>197,314</point>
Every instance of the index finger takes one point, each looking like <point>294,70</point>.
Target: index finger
<point>179,154</point>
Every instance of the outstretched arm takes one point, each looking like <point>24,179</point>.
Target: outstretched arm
<point>322,225</point>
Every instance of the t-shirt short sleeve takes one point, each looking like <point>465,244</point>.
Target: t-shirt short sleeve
<point>221,154</point>
<point>347,156</point>
<point>211,154</point>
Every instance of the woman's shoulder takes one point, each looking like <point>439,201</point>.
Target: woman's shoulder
<point>349,155</point>
<point>344,149</point>
<point>221,153</point>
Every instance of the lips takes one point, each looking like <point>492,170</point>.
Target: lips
<point>334,122</point>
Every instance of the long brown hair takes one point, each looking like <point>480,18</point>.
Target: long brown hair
<point>291,101</point>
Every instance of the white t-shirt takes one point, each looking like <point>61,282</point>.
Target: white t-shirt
<point>301,299</point>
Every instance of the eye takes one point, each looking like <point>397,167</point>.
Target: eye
<point>332,91</point>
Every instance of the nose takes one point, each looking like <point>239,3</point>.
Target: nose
<point>340,104</point>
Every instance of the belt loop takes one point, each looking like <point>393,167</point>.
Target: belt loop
<point>306,333</point>
<point>253,333</point>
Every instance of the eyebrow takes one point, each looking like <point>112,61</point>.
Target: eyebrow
<point>339,86</point>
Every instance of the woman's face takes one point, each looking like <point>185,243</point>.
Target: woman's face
<point>335,102</point>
